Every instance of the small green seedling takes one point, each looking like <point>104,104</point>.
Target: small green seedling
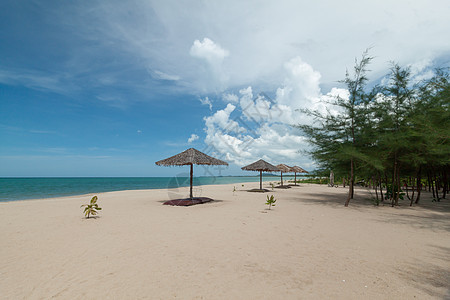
<point>272,185</point>
<point>271,201</point>
<point>234,190</point>
<point>92,208</point>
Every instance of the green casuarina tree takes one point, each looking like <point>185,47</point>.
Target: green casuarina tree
<point>355,86</point>
<point>432,123</point>
<point>411,124</point>
<point>335,137</point>
<point>393,136</point>
<point>394,125</point>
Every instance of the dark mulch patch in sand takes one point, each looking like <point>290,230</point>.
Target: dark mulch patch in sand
<point>258,191</point>
<point>188,201</point>
<point>283,187</point>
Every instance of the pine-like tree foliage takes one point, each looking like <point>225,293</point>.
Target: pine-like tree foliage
<point>392,134</point>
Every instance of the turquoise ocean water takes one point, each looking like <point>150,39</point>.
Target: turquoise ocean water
<point>13,189</point>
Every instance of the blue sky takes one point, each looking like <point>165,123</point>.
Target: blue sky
<point>106,88</point>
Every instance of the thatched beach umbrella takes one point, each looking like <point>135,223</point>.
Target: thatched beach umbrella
<point>283,168</point>
<point>297,169</point>
<point>190,157</point>
<point>260,166</point>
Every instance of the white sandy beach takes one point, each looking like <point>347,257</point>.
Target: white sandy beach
<point>309,246</point>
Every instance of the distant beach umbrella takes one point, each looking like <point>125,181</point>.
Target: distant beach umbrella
<point>297,169</point>
<point>261,166</point>
<point>283,168</point>
<point>190,157</point>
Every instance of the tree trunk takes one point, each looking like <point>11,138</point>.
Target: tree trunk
<point>429,182</point>
<point>350,187</point>
<point>399,189</point>
<point>394,179</point>
<point>375,185</point>
<point>386,181</point>
<point>381,188</point>
<point>411,199</point>
<point>436,186</point>
<point>419,184</point>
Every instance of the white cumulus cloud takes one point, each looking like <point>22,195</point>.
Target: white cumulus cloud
<point>230,98</point>
<point>213,77</point>
<point>253,126</point>
<point>206,101</point>
<point>209,50</point>
<point>193,138</point>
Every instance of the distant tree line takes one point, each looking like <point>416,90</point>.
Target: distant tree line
<point>394,136</point>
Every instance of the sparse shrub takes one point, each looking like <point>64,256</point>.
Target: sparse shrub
<point>91,208</point>
<point>271,201</point>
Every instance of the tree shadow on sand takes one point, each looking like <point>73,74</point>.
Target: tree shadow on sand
<point>431,278</point>
<point>333,198</point>
<point>434,216</point>
<point>427,214</point>
<point>424,220</point>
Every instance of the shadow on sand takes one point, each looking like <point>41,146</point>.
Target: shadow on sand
<point>258,191</point>
<point>427,276</point>
<point>427,214</point>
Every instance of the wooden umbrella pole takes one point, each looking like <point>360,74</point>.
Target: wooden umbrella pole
<point>281,178</point>
<point>295,180</point>
<point>192,175</point>
<point>260,180</point>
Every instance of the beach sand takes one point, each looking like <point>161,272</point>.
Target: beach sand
<point>309,246</point>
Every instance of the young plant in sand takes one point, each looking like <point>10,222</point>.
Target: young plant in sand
<point>91,208</point>
<point>271,201</point>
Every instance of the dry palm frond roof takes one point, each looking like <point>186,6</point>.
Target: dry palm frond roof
<point>284,168</point>
<point>297,169</point>
<point>190,157</point>
<point>260,165</point>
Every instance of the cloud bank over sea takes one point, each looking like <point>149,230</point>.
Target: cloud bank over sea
<point>224,76</point>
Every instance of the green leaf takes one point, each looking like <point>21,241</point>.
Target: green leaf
<point>91,209</point>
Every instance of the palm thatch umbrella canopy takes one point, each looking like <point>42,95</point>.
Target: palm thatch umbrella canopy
<point>190,157</point>
<point>283,168</point>
<point>260,166</point>
<point>297,169</point>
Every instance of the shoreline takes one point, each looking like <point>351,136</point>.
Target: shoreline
<point>75,188</point>
<point>66,198</point>
<point>307,246</point>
